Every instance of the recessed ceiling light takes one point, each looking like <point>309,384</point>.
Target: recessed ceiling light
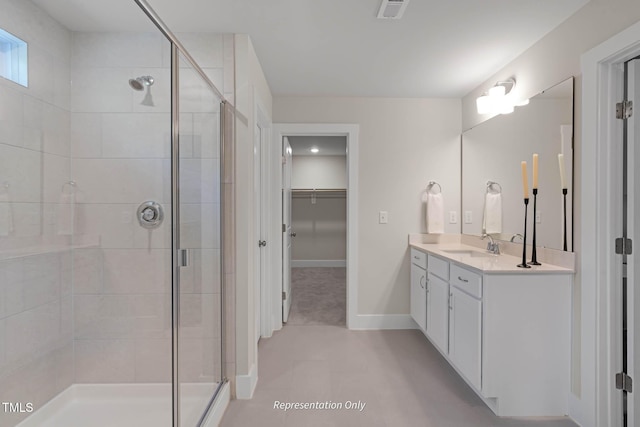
<point>314,150</point>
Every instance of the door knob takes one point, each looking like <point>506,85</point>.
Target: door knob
<point>262,243</point>
<point>293,234</point>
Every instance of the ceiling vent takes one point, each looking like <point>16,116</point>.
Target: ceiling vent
<point>392,9</point>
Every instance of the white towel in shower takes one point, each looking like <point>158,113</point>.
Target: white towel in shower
<point>435,213</point>
<point>6,215</point>
<point>492,219</point>
<point>65,214</point>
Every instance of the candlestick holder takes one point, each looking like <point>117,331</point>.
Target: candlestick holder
<point>564,195</point>
<point>534,257</point>
<point>524,238</point>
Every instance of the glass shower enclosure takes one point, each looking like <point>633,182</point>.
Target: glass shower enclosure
<point>111,289</point>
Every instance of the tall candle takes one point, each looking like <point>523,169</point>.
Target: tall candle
<point>563,184</point>
<point>535,171</point>
<point>525,184</point>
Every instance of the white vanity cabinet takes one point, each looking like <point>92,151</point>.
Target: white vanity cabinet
<point>465,335</point>
<point>419,288</point>
<point>504,330</point>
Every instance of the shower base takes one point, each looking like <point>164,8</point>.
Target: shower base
<point>127,405</point>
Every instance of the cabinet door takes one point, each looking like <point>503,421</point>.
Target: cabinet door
<point>438,312</point>
<point>419,296</point>
<point>465,335</point>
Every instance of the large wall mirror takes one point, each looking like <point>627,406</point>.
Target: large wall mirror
<point>492,152</point>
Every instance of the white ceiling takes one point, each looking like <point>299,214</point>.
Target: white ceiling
<point>327,145</point>
<point>440,48</point>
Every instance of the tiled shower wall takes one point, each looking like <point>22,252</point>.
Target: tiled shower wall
<point>100,297</point>
<point>36,341</point>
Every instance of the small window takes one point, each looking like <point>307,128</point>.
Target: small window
<point>13,58</point>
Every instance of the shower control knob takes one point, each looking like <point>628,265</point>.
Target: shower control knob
<point>150,214</point>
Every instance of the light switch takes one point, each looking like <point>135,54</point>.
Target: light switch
<point>453,217</point>
<point>383,217</point>
<point>468,217</point>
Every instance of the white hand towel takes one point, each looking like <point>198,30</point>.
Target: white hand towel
<point>435,213</point>
<point>492,220</point>
<point>65,214</point>
<point>6,215</point>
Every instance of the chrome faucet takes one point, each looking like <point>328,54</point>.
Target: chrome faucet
<point>492,246</point>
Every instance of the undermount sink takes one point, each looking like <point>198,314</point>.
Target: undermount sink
<point>468,252</point>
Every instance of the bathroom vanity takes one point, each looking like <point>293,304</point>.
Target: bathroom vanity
<point>504,329</point>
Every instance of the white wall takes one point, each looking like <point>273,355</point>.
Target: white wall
<point>319,172</point>
<point>551,60</point>
<point>251,87</point>
<point>403,144</point>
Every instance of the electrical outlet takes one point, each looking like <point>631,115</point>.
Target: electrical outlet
<point>383,217</point>
<point>453,217</point>
<point>538,217</point>
<point>468,217</point>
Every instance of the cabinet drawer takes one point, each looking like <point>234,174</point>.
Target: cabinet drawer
<point>439,267</point>
<point>466,280</point>
<point>419,258</point>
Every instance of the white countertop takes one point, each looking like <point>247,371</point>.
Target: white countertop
<point>492,264</point>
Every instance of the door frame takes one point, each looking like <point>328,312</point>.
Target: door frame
<point>600,269</point>
<point>280,130</point>
<point>261,305</point>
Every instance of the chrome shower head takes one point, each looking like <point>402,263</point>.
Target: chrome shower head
<point>139,83</point>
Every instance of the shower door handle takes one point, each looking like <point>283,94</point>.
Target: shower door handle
<point>183,257</point>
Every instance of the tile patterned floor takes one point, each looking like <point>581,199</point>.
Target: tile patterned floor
<point>400,376</point>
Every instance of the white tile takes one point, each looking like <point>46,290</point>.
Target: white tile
<point>103,317</point>
<point>41,276</point>
<point>105,361</point>
<point>137,271</point>
<point>11,116</point>
<point>33,331</point>
<point>153,360</point>
<point>20,168</point>
<point>216,75</point>
<point>200,225</point>
<point>142,135</point>
<point>206,135</point>
<point>203,273</point>
<point>195,95</point>
<point>205,48</point>
<point>152,316</point>
<point>62,83</point>
<point>96,90</point>
<point>33,134</point>
<point>199,181</point>
<point>11,283</point>
<point>122,180</point>
<point>101,49</point>
<point>56,171</point>
<point>86,135</point>
<point>27,219</point>
<point>87,271</point>
<point>56,131</point>
<point>41,81</point>
<point>111,223</point>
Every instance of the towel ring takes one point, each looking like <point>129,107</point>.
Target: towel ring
<point>490,184</point>
<point>433,183</point>
<point>72,184</point>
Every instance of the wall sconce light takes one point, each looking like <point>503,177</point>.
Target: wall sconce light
<point>499,99</point>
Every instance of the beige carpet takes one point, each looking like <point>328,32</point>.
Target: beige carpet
<point>319,296</point>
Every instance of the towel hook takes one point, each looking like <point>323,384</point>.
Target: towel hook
<point>490,184</point>
<point>433,183</point>
<point>72,184</point>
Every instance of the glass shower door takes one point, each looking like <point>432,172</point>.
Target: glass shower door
<point>199,358</point>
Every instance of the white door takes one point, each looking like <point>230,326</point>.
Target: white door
<point>465,335</point>
<point>286,229</point>
<point>438,312</point>
<point>633,227</point>
<point>419,296</point>
<point>259,210</point>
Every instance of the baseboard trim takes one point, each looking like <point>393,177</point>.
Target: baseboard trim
<point>246,384</point>
<point>576,410</point>
<point>383,321</point>
<point>319,263</point>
